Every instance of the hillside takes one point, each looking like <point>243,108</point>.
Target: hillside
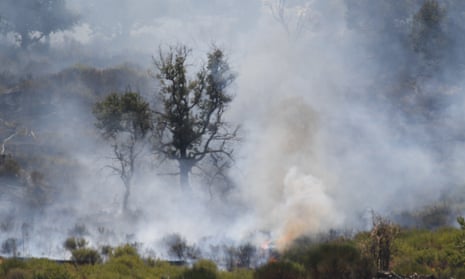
<point>47,120</point>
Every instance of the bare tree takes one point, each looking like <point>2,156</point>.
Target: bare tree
<point>190,125</point>
<point>294,19</point>
<point>180,249</point>
<point>243,256</point>
<point>214,175</point>
<point>382,237</point>
<point>125,121</point>
<point>10,246</point>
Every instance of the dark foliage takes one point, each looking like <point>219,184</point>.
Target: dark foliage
<point>73,243</point>
<point>280,270</point>
<point>85,256</point>
<point>179,248</point>
<point>124,120</point>
<point>10,246</point>
<point>202,269</point>
<point>190,126</point>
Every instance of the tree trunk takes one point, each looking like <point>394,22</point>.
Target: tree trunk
<point>127,192</point>
<point>184,169</point>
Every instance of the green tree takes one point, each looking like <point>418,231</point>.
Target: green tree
<point>32,20</point>
<point>80,254</point>
<point>190,125</point>
<point>125,121</point>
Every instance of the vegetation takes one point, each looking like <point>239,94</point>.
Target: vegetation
<point>280,270</point>
<point>382,237</point>
<point>434,253</point>
<point>190,125</point>
<point>125,122</point>
<point>80,253</point>
<point>437,253</point>
<point>179,249</point>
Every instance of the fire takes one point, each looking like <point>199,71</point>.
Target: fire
<point>291,232</point>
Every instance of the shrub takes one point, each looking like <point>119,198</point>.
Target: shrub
<point>179,248</point>
<point>47,269</point>
<point>240,273</point>
<point>163,269</point>
<point>429,252</point>
<point>337,260</point>
<point>125,250</point>
<point>206,265</point>
<point>203,269</point>
<point>80,254</point>
<point>85,256</point>
<point>280,270</point>
<point>73,243</point>
<point>127,265</point>
<point>18,273</point>
<point>10,264</point>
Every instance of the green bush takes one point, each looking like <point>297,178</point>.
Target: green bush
<point>73,243</point>
<point>206,265</point>
<point>85,256</point>
<point>18,273</point>
<point>52,274</point>
<point>47,269</point>
<point>280,270</point>
<point>428,252</point>
<point>10,264</point>
<point>203,269</point>
<point>337,260</point>
<point>239,273</point>
<point>163,269</point>
<point>125,250</point>
<point>126,261</point>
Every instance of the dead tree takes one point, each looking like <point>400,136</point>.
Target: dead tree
<point>382,235</point>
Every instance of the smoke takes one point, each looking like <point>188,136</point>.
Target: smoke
<point>340,114</point>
